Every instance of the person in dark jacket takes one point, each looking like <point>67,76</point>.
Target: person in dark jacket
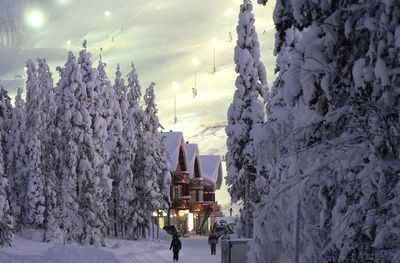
<point>176,245</point>
<point>213,240</point>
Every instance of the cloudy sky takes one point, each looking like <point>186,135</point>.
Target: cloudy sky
<point>161,37</point>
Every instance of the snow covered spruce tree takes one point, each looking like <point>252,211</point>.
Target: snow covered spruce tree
<point>134,136</point>
<point>94,183</point>
<point>245,114</point>
<point>122,155</point>
<point>34,204</point>
<point>66,100</point>
<point>6,228</point>
<point>156,179</point>
<point>5,122</point>
<point>331,143</point>
<point>16,159</point>
<point>49,151</point>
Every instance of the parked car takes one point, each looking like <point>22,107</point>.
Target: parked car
<point>220,230</point>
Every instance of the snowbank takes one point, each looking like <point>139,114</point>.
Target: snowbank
<point>60,254</point>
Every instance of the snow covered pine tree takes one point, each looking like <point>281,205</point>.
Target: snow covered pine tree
<point>331,143</point>
<point>245,114</point>
<point>6,219</point>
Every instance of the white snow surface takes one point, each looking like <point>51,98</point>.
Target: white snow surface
<point>194,250</point>
<point>192,150</point>
<point>211,169</point>
<point>173,141</point>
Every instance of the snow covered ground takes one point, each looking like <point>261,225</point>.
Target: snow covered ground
<point>194,250</point>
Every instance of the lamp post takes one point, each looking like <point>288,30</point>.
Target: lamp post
<point>175,86</point>
<point>68,45</point>
<point>230,12</point>
<point>107,13</point>
<point>195,62</point>
<point>214,41</point>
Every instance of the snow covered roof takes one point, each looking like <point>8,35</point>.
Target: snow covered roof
<point>173,142</point>
<point>192,152</point>
<point>211,169</point>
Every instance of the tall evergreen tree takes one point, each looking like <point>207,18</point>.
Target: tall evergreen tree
<point>245,113</point>
<point>5,213</point>
<point>5,121</point>
<point>6,227</point>
<point>121,158</point>
<point>35,200</point>
<point>16,159</point>
<point>93,176</point>
<point>156,175</point>
<point>49,151</point>
<point>66,99</point>
<point>133,137</point>
<point>331,143</point>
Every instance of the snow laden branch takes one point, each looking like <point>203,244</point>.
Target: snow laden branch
<point>330,146</point>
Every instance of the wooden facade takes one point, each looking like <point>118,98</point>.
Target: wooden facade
<point>180,190</point>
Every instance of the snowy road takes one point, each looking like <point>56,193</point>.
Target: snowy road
<point>197,250</point>
<point>194,250</point>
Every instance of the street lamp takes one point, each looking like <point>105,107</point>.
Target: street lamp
<point>230,12</point>
<point>195,62</point>
<point>175,86</point>
<point>214,41</point>
<point>107,13</point>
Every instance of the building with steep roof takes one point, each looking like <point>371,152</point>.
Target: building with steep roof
<point>192,193</point>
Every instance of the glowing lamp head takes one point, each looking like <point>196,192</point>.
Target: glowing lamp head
<point>35,18</point>
<point>107,13</point>
<point>63,2</point>
<point>214,40</point>
<point>230,12</point>
<point>195,61</point>
<point>175,85</point>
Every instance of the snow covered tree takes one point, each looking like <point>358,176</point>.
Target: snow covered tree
<point>156,181</point>
<point>35,200</point>
<point>67,116</point>
<point>16,159</point>
<point>6,227</point>
<point>245,114</point>
<point>123,154</point>
<point>5,213</point>
<point>133,151</point>
<point>5,120</point>
<point>331,142</point>
<point>49,151</point>
<point>95,186</point>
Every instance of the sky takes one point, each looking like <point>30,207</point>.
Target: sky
<point>161,37</point>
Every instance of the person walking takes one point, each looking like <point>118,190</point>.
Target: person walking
<point>176,245</point>
<point>213,240</point>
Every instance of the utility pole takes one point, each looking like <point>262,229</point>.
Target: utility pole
<point>297,239</point>
<point>247,228</point>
